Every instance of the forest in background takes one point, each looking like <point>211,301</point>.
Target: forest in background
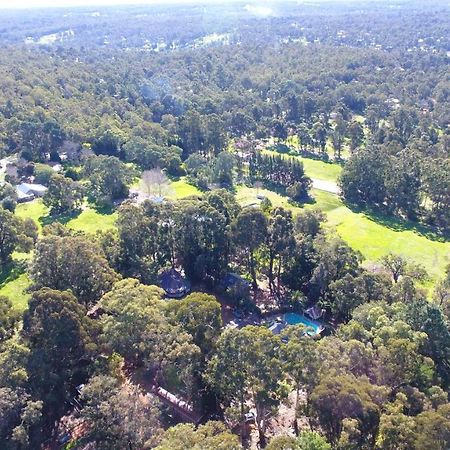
<point>280,147</point>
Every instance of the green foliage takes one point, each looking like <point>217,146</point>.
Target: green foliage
<point>200,316</point>
<point>15,234</point>
<point>210,436</point>
<point>249,232</point>
<point>282,173</point>
<point>72,262</point>
<point>59,335</point>
<point>136,327</point>
<point>108,179</point>
<point>149,155</point>
<point>310,440</point>
<point>107,405</point>
<point>8,197</point>
<point>63,195</point>
<point>247,366</point>
<point>9,319</point>
<point>43,173</point>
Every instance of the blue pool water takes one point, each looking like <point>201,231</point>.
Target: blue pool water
<point>295,319</point>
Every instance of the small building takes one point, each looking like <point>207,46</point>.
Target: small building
<point>174,284</point>
<point>29,191</point>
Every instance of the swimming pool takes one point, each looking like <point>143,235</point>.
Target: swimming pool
<point>295,319</point>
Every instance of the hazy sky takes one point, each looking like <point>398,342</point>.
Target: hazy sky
<point>41,3</point>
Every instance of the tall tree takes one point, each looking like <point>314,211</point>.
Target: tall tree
<point>249,232</point>
<point>15,234</point>
<point>247,366</point>
<point>209,436</point>
<point>60,336</point>
<point>63,195</point>
<point>119,416</point>
<point>108,179</point>
<point>280,243</point>
<point>72,262</point>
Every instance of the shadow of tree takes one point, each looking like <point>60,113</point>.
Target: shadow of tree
<point>396,223</point>
<point>104,210</point>
<point>61,218</point>
<point>12,272</point>
<point>279,148</point>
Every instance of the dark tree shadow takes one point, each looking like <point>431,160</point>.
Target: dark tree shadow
<point>396,223</point>
<point>280,148</point>
<point>11,272</point>
<point>61,218</point>
<point>105,210</point>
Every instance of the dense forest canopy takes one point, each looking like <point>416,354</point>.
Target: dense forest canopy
<point>225,226</point>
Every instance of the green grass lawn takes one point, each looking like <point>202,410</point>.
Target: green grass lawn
<point>90,221</point>
<point>14,289</point>
<point>373,239</point>
<point>181,189</point>
<point>35,210</point>
<point>321,170</point>
<point>247,196</point>
<point>324,200</point>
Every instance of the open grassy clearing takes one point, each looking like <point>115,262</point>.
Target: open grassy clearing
<point>14,289</point>
<point>14,285</point>
<point>373,240</point>
<point>89,220</point>
<point>248,196</point>
<point>35,210</point>
<point>361,232</point>
<point>181,189</point>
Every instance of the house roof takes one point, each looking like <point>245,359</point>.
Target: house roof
<point>174,284</point>
<point>23,193</point>
<point>28,188</point>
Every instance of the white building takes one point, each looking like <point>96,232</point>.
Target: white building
<point>28,191</point>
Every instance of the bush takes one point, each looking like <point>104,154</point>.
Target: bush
<point>43,173</point>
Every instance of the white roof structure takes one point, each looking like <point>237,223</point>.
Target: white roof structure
<point>28,190</point>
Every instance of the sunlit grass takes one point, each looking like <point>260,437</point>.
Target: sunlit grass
<point>90,221</point>
<point>15,289</point>
<point>35,210</point>
<point>181,189</point>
